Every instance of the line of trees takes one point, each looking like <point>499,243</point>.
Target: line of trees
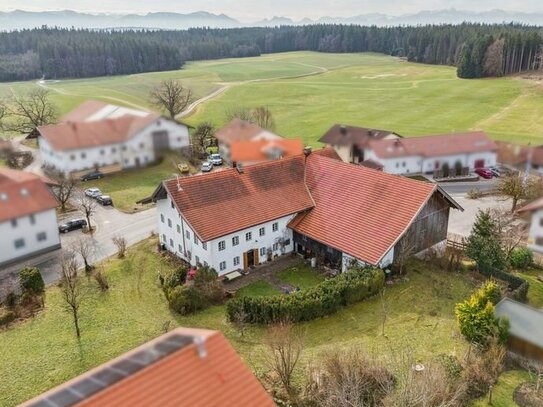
<point>478,49</point>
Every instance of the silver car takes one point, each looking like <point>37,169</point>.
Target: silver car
<point>215,159</point>
<point>93,192</point>
<point>206,166</point>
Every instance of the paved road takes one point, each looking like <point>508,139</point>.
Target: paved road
<point>464,187</point>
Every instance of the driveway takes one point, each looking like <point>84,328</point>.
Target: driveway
<point>464,187</point>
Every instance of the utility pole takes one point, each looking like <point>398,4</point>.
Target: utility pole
<point>528,166</point>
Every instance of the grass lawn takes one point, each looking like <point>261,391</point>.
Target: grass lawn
<point>535,292</point>
<point>302,276</point>
<point>309,91</point>
<point>42,352</point>
<point>128,187</point>
<point>502,394</point>
<point>257,289</point>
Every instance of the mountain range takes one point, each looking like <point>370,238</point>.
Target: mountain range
<point>19,19</point>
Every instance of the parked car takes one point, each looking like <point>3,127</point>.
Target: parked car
<point>215,159</point>
<point>484,173</point>
<point>93,192</point>
<point>104,200</point>
<point>206,166</point>
<point>495,171</point>
<point>183,168</point>
<point>91,175</point>
<point>73,224</point>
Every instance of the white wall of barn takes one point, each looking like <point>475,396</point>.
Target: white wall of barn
<point>37,232</point>
<point>347,261</point>
<point>535,235</point>
<point>179,238</point>
<point>139,147</point>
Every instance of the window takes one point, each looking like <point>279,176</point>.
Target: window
<point>205,264</point>
<point>41,236</point>
<point>171,204</point>
<point>189,255</point>
<point>179,248</point>
<point>236,261</point>
<point>113,150</point>
<point>162,218</point>
<point>248,236</point>
<point>169,223</point>
<point>222,265</point>
<point>262,251</point>
<point>72,157</point>
<point>32,219</point>
<point>171,242</point>
<point>178,229</point>
<point>123,148</point>
<point>14,223</point>
<point>539,241</point>
<point>83,155</point>
<point>541,222</point>
<point>261,231</point>
<point>275,247</point>
<point>19,243</point>
<point>397,165</point>
<point>275,227</point>
<point>403,164</point>
<point>204,245</point>
<point>102,152</point>
<point>164,238</point>
<point>142,145</point>
<point>235,240</point>
<point>187,234</point>
<point>195,239</point>
<point>197,259</point>
<point>222,245</point>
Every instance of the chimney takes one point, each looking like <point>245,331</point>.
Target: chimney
<point>307,151</point>
<point>239,167</point>
<point>343,129</point>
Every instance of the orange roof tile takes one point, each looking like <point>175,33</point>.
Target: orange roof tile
<point>23,193</point>
<point>84,111</point>
<point>239,130</point>
<point>74,135</point>
<point>183,375</point>
<point>260,150</point>
<point>359,211</point>
<point>532,206</point>
<point>434,146</point>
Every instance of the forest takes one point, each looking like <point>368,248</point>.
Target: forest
<point>478,50</point>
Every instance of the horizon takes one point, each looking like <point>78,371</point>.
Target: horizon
<point>259,10</point>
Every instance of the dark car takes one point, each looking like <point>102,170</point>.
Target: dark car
<point>92,175</point>
<point>104,200</point>
<point>72,225</point>
<point>484,173</point>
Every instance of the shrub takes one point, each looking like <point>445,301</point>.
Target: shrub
<point>323,299</point>
<point>175,278</point>
<point>186,300</point>
<point>6,316</point>
<point>482,369</point>
<point>31,280</point>
<point>474,193</point>
<point>521,258</point>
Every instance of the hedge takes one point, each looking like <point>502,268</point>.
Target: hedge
<point>323,299</point>
<point>31,280</point>
<point>518,286</point>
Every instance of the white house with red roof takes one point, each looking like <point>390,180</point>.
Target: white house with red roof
<point>314,204</point>
<point>535,235</point>
<point>28,219</point>
<point>97,135</point>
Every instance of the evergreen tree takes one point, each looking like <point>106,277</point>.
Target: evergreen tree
<point>483,244</point>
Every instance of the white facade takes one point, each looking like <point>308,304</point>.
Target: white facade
<point>28,235</point>
<point>420,164</point>
<point>226,253</point>
<point>535,236</point>
<point>134,152</point>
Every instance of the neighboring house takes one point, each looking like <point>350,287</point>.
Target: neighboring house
<point>534,157</point>
<point>429,153</point>
<point>256,151</point>
<point>525,328</point>
<point>350,142</point>
<point>240,131</point>
<point>185,367</point>
<point>28,219</point>
<point>109,138</point>
<point>315,205</point>
<point>535,236</point>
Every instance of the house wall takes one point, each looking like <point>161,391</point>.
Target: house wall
<point>348,260</point>
<point>399,165</point>
<point>179,239</point>
<point>344,152</point>
<point>535,236</point>
<point>140,146</point>
<point>28,230</point>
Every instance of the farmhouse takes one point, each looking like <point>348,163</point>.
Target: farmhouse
<point>256,151</point>
<point>535,236</point>
<point>109,138</point>
<point>240,131</point>
<point>313,204</point>
<point>185,367</point>
<point>28,220</point>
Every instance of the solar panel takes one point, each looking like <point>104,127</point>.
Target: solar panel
<point>115,372</point>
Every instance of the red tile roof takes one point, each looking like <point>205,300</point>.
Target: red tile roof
<point>329,152</point>
<point>359,211</point>
<point>239,130</point>
<point>532,206</point>
<point>72,135</point>
<point>22,194</point>
<point>340,134</point>
<point>434,146</point>
<point>184,377</point>
<point>261,193</point>
<point>84,111</point>
<point>259,150</point>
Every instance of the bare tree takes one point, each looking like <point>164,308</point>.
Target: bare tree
<point>285,345</point>
<point>518,187</point>
<point>239,112</point>
<point>101,280</point>
<point>262,116</point>
<point>31,110</point>
<point>121,244</point>
<point>404,250</point>
<point>64,191</point>
<point>88,207</point>
<point>171,96</point>
<point>203,138</point>
<point>71,288</point>
<point>85,247</point>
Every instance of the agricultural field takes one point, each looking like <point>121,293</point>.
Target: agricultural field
<point>308,92</point>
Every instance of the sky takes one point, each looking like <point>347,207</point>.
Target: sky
<point>251,10</point>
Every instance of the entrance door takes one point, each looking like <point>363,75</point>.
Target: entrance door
<point>248,259</point>
<point>479,163</point>
<point>161,140</point>
<point>137,162</point>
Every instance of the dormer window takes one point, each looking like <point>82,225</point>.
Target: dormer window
<point>3,196</point>
<point>24,192</point>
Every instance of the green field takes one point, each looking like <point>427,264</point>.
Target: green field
<point>308,92</point>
